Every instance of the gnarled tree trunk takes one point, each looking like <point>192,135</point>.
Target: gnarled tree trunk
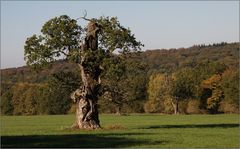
<point>86,96</point>
<point>175,105</point>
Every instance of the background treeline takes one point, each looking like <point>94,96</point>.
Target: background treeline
<point>198,79</point>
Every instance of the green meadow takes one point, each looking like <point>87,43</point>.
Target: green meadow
<point>131,131</point>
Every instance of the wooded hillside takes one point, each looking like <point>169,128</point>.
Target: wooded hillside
<point>204,80</point>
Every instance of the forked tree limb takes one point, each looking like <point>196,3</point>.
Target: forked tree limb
<point>84,16</point>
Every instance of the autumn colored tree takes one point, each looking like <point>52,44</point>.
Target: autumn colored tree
<point>213,92</point>
<point>157,92</point>
<point>166,90</point>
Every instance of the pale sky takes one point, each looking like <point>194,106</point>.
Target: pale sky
<point>157,24</point>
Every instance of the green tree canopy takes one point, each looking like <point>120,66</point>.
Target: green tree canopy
<point>62,37</point>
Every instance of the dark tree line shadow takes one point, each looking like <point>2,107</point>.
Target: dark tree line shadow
<point>108,140</point>
<point>192,126</point>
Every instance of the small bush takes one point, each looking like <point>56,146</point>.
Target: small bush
<point>183,107</point>
<point>193,107</point>
<point>168,108</point>
<point>153,106</point>
<point>228,107</point>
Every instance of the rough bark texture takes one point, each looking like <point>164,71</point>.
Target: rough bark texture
<point>175,106</point>
<point>86,96</point>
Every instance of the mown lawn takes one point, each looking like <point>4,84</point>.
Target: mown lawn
<point>136,130</point>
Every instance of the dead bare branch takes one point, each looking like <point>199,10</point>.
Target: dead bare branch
<point>84,16</point>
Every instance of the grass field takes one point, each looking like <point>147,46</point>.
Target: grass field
<point>137,130</point>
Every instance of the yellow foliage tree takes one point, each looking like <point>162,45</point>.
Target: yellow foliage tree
<point>214,85</point>
<point>158,92</point>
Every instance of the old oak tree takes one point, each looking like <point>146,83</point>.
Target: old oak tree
<point>91,48</point>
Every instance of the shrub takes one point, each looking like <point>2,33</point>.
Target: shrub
<point>228,107</point>
<point>193,107</point>
<point>168,108</point>
<point>152,106</point>
<point>183,107</point>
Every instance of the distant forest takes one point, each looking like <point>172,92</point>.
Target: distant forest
<point>196,80</point>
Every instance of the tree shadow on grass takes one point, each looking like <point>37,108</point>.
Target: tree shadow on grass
<point>74,140</point>
<point>192,126</point>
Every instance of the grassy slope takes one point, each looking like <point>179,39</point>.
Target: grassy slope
<point>123,131</point>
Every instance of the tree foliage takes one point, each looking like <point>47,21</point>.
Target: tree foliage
<point>230,85</point>
<point>24,99</point>
<point>157,93</point>
<point>216,93</point>
<point>115,36</point>
<point>6,103</point>
<point>200,61</point>
<point>60,37</point>
<point>126,84</point>
<point>184,85</point>
<point>56,99</point>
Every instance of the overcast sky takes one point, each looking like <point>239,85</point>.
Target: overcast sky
<point>157,24</point>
